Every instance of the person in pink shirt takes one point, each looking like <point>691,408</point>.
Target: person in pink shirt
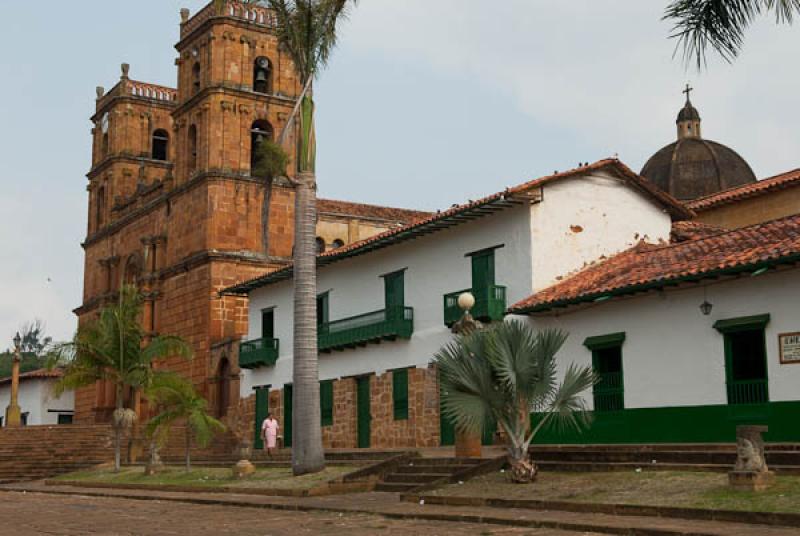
<point>269,433</point>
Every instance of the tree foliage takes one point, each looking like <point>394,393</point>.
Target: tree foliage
<point>177,400</point>
<point>505,373</point>
<point>271,160</point>
<point>720,24</point>
<point>112,347</point>
<point>34,340</point>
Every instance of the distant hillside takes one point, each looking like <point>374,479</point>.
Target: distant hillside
<point>29,362</point>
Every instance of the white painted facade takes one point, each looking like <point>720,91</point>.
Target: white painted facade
<point>36,398</point>
<point>539,242</point>
<point>672,355</point>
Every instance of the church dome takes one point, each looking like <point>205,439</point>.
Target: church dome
<point>694,167</point>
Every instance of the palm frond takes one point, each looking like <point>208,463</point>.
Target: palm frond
<point>720,24</point>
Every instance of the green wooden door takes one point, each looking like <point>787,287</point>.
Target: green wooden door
<point>394,288</point>
<point>487,437</point>
<point>287,415</point>
<point>262,408</point>
<point>482,275</point>
<point>364,415</point>
<point>447,430</point>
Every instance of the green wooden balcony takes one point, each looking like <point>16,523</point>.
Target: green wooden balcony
<point>490,304</point>
<point>748,392</point>
<point>258,353</point>
<point>386,324</point>
<point>609,393</point>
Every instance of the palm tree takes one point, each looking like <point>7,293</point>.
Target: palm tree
<point>307,30</point>
<point>112,347</point>
<point>720,24</point>
<point>505,373</point>
<point>178,400</point>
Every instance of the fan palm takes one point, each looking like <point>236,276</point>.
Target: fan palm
<point>112,347</point>
<point>720,24</point>
<point>307,30</point>
<point>179,401</point>
<point>504,374</point>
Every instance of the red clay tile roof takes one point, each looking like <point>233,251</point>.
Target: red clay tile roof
<point>732,195</point>
<point>470,211</point>
<point>38,374</point>
<point>683,231</point>
<point>373,212</point>
<point>648,266</point>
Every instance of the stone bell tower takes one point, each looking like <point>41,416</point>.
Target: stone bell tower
<point>173,206</point>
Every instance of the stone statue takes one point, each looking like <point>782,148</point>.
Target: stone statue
<point>751,471</point>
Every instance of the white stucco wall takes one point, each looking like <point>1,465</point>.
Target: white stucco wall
<point>540,242</point>
<point>435,265</point>
<point>672,355</point>
<point>581,219</point>
<point>37,399</point>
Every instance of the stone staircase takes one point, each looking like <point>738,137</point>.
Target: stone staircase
<point>35,452</point>
<point>419,473</point>
<point>781,458</point>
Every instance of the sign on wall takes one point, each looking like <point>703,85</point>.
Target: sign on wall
<point>789,344</point>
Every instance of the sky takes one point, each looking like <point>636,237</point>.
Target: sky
<point>424,104</point>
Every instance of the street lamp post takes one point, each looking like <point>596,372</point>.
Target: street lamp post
<point>468,444</point>
<point>13,413</point>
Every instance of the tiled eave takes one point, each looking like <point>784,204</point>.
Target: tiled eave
<point>477,210</point>
<point>605,295</point>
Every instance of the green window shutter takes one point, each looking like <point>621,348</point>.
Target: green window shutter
<point>609,391</point>
<point>326,402</point>
<point>400,394</point>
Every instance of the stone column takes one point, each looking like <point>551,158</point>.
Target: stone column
<point>751,471</point>
<point>13,413</point>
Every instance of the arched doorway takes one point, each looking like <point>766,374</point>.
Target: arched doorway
<point>223,387</point>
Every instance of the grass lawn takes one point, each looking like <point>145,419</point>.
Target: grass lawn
<point>264,478</point>
<point>657,488</point>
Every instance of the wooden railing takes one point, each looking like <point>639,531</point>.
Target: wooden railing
<point>258,353</point>
<point>748,392</point>
<point>490,304</point>
<point>609,392</point>
<point>386,324</point>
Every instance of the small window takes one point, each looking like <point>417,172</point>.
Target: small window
<point>326,402</point>
<point>609,391</point>
<point>320,245</point>
<point>100,207</point>
<point>262,75</point>
<point>64,418</point>
<point>160,144</point>
<point>105,144</point>
<point>338,243</point>
<point>400,394</point>
<point>192,148</point>
<point>196,78</point>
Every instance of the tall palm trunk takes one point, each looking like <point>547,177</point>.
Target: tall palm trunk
<point>118,431</point>
<point>307,453</point>
<point>188,447</point>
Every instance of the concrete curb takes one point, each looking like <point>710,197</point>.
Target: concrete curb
<point>695,514</point>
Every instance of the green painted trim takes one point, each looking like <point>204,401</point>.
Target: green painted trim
<point>400,394</point>
<point>688,424</point>
<point>484,251</point>
<point>326,402</point>
<point>604,341</point>
<point>742,323</point>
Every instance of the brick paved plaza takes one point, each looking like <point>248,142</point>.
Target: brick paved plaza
<point>37,514</point>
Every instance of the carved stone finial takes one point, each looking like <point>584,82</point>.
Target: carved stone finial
<point>100,91</point>
<point>125,70</point>
<point>185,15</point>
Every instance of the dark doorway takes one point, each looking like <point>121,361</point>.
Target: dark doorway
<point>223,387</point>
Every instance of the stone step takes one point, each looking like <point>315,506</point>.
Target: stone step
<point>395,487</point>
<point>414,478</point>
<point>449,469</point>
